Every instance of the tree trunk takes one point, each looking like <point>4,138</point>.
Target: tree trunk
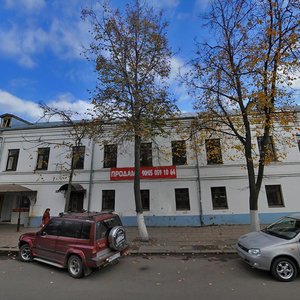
<point>142,227</point>
<point>253,192</point>
<point>254,220</point>
<point>137,191</point>
<point>69,189</point>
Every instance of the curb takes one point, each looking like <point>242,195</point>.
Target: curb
<point>170,252</point>
<point>14,251</point>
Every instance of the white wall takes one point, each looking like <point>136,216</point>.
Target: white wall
<point>232,175</point>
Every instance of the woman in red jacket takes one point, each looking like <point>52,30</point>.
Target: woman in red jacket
<point>46,217</point>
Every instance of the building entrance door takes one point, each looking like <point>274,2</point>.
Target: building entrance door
<point>76,201</point>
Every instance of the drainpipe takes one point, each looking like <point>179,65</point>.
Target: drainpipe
<point>1,146</point>
<point>199,184</point>
<point>91,176</point>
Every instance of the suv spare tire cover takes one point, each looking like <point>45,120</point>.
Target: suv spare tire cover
<point>117,238</point>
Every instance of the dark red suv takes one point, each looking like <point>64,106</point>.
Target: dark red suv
<point>77,241</point>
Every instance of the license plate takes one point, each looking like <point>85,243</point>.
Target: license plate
<point>113,257</point>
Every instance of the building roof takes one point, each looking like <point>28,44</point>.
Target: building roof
<point>23,124</point>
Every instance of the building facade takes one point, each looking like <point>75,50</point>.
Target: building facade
<point>181,185</point>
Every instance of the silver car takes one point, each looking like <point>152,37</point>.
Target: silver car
<point>275,248</point>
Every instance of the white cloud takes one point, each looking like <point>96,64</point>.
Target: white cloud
<point>31,111</point>
<point>164,3</point>
<point>22,44</point>
<point>202,4</point>
<point>23,108</point>
<point>179,68</point>
<point>29,5</point>
<point>67,39</point>
<point>296,82</point>
<point>63,36</point>
<point>67,102</point>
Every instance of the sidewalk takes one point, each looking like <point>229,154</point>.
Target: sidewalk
<point>163,240</point>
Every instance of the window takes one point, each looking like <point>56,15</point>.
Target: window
<point>103,227</point>
<point>12,160</point>
<point>76,201</point>
<point>52,228</point>
<point>274,195</point>
<point>270,150</point>
<point>42,159</point>
<point>78,157</point>
<point>110,156</point>
<point>74,229</point>
<point>6,122</point>
<point>182,199</point>
<point>101,230</point>
<point>298,140</point>
<point>145,196</point>
<point>108,200</point>
<point>178,153</point>
<point>146,154</point>
<point>213,152</point>
<point>85,231</point>
<point>219,198</point>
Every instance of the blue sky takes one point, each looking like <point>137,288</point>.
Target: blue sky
<point>41,42</point>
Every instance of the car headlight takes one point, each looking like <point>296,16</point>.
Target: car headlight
<point>254,252</point>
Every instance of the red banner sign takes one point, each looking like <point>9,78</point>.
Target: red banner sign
<point>146,173</point>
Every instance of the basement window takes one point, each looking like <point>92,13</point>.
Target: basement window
<point>274,195</point>
<point>145,197</point>
<point>219,197</point>
<point>182,199</point>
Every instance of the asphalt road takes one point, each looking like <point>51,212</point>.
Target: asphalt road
<point>146,277</point>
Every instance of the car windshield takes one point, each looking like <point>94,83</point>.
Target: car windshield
<point>286,228</point>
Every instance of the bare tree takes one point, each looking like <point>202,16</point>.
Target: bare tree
<point>242,77</point>
<point>77,131</point>
<point>132,60</point>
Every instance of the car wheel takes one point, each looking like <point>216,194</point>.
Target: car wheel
<point>284,269</point>
<point>75,267</point>
<point>117,238</point>
<point>25,253</point>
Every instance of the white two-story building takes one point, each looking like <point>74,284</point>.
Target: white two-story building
<point>180,186</point>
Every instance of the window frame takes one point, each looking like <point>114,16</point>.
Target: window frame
<point>179,156</point>
<point>217,193</point>
<point>145,198</point>
<point>6,122</point>
<point>110,156</point>
<point>56,224</point>
<point>182,199</point>
<point>80,151</point>
<point>270,148</point>
<point>44,162</point>
<point>106,206</point>
<point>212,145</point>
<point>146,155</point>
<point>14,157</point>
<point>270,190</point>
